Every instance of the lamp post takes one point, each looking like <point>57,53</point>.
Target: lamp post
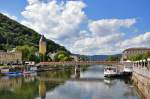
<point>148,60</point>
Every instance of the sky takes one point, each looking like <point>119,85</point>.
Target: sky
<point>89,27</point>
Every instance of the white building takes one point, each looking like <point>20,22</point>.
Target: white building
<point>133,51</point>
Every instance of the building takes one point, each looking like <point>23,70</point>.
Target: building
<point>42,45</point>
<point>75,58</point>
<point>52,55</point>
<point>133,51</point>
<point>10,57</point>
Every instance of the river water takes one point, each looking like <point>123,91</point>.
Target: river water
<point>90,84</point>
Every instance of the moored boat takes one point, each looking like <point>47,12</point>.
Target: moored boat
<point>110,71</point>
<point>15,74</point>
<point>28,72</point>
<point>127,70</point>
<point>4,70</point>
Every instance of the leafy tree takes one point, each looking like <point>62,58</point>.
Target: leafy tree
<point>146,55</point>
<point>136,57</point>
<point>43,58</point>
<point>62,56</point>
<point>28,52</point>
<point>14,34</point>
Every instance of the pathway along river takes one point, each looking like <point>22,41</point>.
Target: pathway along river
<point>30,87</point>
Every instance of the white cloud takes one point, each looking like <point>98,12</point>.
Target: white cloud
<point>61,22</point>
<point>109,26</point>
<point>10,16</point>
<point>96,45</point>
<point>142,40</point>
<point>104,35</point>
<point>56,20</point>
<point>33,1</point>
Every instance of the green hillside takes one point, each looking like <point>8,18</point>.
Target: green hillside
<point>13,34</point>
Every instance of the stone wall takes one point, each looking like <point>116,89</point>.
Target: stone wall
<point>142,83</point>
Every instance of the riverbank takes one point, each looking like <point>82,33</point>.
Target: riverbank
<point>142,83</point>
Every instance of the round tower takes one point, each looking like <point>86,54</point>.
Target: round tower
<point>42,45</point>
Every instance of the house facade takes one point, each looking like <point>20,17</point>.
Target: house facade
<point>133,51</point>
<point>10,57</point>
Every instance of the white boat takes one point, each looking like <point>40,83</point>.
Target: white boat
<point>128,69</point>
<point>4,70</point>
<point>33,69</point>
<point>110,71</point>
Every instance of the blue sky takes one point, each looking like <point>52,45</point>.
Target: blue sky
<point>120,9</point>
<point>97,9</point>
<point>94,11</point>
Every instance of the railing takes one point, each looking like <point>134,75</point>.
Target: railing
<point>79,63</point>
<point>142,71</point>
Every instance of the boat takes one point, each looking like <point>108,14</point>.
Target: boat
<point>14,74</point>
<point>28,72</point>
<point>127,70</point>
<point>110,71</point>
<point>4,70</point>
<point>33,69</point>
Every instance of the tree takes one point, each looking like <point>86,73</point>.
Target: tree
<point>14,34</point>
<point>62,56</point>
<point>28,52</point>
<point>146,55</point>
<point>136,57</point>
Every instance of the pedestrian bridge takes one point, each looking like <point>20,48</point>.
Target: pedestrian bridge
<point>79,63</point>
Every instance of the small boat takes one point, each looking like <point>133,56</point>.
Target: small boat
<point>4,70</point>
<point>14,74</point>
<point>28,72</point>
<point>33,69</point>
<point>110,71</point>
<point>127,70</point>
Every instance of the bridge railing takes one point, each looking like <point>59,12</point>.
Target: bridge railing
<point>78,62</point>
<point>142,71</point>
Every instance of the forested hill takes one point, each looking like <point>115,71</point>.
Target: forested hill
<point>13,34</point>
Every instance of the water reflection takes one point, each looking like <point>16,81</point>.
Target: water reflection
<point>89,84</point>
<point>10,84</point>
<point>42,89</point>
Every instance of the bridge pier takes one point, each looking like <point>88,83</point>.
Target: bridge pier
<point>77,71</point>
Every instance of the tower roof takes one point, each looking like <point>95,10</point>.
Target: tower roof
<point>42,39</point>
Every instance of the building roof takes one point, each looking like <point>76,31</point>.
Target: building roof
<point>42,39</point>
<point>140,48</point>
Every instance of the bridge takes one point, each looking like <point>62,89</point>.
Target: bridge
<point>67,63</point>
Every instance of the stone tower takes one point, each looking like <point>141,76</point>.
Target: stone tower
<point>42,45</point>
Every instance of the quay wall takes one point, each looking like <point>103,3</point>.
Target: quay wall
<point>142,82</point>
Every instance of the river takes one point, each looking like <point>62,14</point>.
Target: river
<point>59,84</point>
